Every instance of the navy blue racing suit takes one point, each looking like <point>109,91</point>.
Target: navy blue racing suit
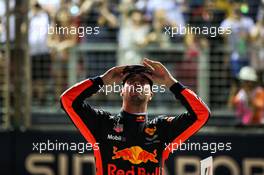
<point>132,144</point>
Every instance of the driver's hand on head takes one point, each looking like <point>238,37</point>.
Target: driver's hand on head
<point>160,74</point>
<point>113,75</point>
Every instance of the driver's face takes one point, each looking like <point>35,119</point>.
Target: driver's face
<point>137,87</point>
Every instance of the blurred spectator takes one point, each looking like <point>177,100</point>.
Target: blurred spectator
<point>187,68</point>
<point>51,6</point>
<point>99,13</point>
<point>257,59</point>
<point>60,43</point>
<point>173,11</point>
<point>157,34</point>
<point>132,37</point>
<point>39,52</point>
<point>248,100</point>
<point>239,39</point>
<point>209,13</point>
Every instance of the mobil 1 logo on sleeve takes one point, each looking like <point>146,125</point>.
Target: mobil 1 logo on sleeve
<point>207,166</point>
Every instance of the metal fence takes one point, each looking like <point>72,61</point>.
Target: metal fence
<point>205,74</point>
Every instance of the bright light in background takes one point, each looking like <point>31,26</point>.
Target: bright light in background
<point>74,10</point>
<point>244,8</point>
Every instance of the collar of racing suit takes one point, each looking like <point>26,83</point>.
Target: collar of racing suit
<point>134,124</point>
<point>129,117</point>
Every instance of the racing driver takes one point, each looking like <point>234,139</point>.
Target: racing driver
<point>129,143</point>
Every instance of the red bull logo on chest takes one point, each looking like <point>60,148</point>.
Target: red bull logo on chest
<point>135,155</point>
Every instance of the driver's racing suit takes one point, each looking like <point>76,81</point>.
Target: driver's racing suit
<point>131,144</point>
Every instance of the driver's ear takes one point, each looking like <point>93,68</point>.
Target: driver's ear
<point>151,96</point>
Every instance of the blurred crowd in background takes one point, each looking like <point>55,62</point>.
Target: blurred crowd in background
<point>137,24</point>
